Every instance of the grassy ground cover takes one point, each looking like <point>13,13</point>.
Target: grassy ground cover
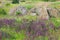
<point>29,27</point>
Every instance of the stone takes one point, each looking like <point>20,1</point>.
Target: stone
<point>32,12</point>
<point>53,12</point>
<point>43,14</point>
<point>35,11</point>
<point>38,10</point>
<point>22,10</point>
<point>12,11</point>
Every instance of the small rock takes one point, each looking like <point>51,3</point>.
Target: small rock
<point>21,9</point>
<point>33,10</point>
<point>33,14</point>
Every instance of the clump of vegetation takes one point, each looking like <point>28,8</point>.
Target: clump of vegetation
<point>22,0</point>
<point>45,0</point>
<point>7,4</point>
<point>55,5</point>
<point>2,11</point>
<point>29,6</point>
<point>56,22</point>
<point>13,34</point>
<point>18,13</point>
<point>15,1</point>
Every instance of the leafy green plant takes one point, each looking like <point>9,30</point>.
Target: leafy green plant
<point>18,13</point>
<point>29,6</point>
<point>30,18</point>
<point>56,22</point>
<point>14,35</point>
<point>2,11</point>
<point>15,1</point>
<point>45,0</point>
<point>23,0</point>
<point>7,4</point>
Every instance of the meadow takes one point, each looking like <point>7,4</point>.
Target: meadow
<point>27,27</point>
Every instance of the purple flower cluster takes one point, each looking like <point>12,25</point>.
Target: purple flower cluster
<point>31,28</point>
<point>6,22</point>
<point>37,28</point>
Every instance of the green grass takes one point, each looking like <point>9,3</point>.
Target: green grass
<point>8,8</point>
<point>55,5</point>
<point>56,21</point>
<point>21,35</point>
<point>14,35</point>
<point>28,5</point>
<point>41,38</point>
